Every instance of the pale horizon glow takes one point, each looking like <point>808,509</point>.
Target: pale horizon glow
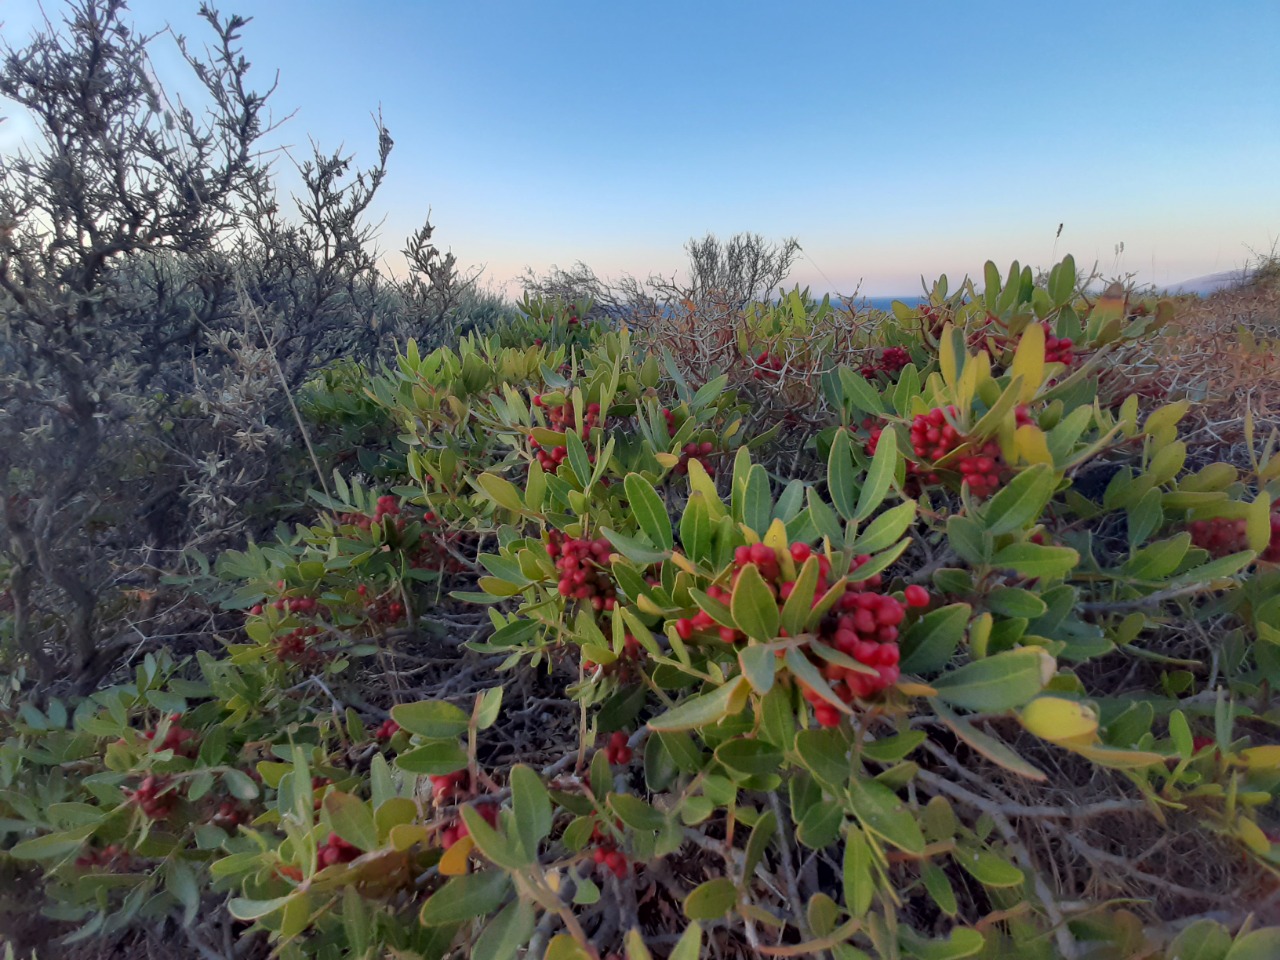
<point>894,141</point>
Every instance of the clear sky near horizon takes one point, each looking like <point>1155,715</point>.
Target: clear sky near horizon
<point>892,139</point>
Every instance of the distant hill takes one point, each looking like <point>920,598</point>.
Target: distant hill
<point>1203,286</point>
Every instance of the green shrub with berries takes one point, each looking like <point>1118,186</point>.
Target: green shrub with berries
<point>579,665</point>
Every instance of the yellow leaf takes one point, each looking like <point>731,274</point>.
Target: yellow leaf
<point>1060,721</point>
<point>668,460</point>
<point>1251,836</point>
<point>1028,361</point>
<point>684,563</point>
<point>701,482</point>
<point>1261,758</point>
<point>1031,445</point>
<point>405,835</point>
<point>454,861</point>
<point>775,538</point>
<point>948,362</point>
<point>646,605</point>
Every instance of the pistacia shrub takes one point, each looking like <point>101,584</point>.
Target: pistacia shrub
<point>989,680</point>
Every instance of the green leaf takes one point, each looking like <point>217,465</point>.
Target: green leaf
<point>996,683</point>
<point>489,706</point>
<point>749,756</point>
<point>239,784</point>
<point>689,946</point>
<point>438,757</point>
<point>885,529</point>
<point>635,813</point>
<point>1203,940</point>
<point>500,491</point>
<point>704,710</point>
<point>754,608</point>
<point>352,820</point>
<point>879,475</point>
<point>963,942</point>
<point>931,642</point>
<point>711,900</point>
<point>506,933</point>
<point>939,887</point>
<point>987,868</point>
<point>1016,602</point>
<point>757,502</point>
<point>243,908</point>
<point>1035,560</point>
<point>633,549</point>
<point>1020,503</point>
<point>859,393</point>
<point>578,461</point>
<point>649,510</point>
<point>495,845</point>
<point>695,528</point>
<point>531,807</point>
<point>819,828</point>
<point>759,665</point>
<point>795,610</point>
<point>1259,945</point>
<point>880,812</point>
<point>842,482</point>
<point>761,835</point>
<point>859,884</point>
<point>433,719</point>
<point>465,898</point>
<point>53,845</point>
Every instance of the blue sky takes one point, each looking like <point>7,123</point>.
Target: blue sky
<point>892,139</point>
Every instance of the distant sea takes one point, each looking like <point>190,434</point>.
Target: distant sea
<point>883,303</point>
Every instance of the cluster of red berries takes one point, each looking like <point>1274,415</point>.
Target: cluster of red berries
<point>154,797</point>
<point>178,739</point>
<point>606,853</point>
<point>890,362</point>
<point>335,850</point>
<point>982,470</point>
<point>863,626</point>
<point>932,320</point>
<point>766,562</point>
<point>560,417</point>
<point>112,857</point>
<point>699,452</point>
<point>318,784</point>
<point>448,787</point>
<point>296,647</point>
<point>433,551</point>
<point>1272,553</point>
<point>1057,349</point>
<point>303,604</point>
<point>583,571</point>
<point>387,505</point>
<point>458,828</point>
<point>384,609</point>
<point>388,729</point>
<point>932,437</point>
<point>768,367</point>
<point>1219,535</point>
<point>671,421</point>
<point>618,751</point>
<point>228,815</point>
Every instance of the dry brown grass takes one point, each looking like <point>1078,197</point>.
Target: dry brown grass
<point>1223,353</point>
